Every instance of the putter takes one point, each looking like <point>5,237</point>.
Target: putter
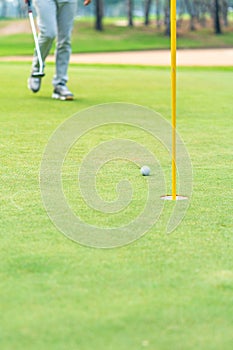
<point>41,66</point>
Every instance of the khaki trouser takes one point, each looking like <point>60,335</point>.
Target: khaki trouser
<point>55,20</point>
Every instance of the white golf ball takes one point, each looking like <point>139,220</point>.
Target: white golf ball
<point>145,170</point>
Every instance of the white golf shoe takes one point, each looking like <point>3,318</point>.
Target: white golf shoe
<point>61,92</point>
<point>34,83</point>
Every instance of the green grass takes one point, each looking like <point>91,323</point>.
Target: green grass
<point>161,292</point>
<point>115,38</point>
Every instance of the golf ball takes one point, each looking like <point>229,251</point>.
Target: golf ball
<point>145,170</point>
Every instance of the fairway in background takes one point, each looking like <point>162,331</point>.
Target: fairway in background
<point>115,38</point>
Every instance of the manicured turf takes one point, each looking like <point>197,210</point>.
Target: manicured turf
<point>115,38</point>
<point>162,292</point>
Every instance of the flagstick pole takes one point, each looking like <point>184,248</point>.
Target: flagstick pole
<point>173,195</point>
<point>173,94</point>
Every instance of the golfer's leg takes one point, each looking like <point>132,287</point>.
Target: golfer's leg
<point>65,17</point>
<point>46,11</point>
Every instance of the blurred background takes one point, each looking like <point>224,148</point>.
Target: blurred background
<point>119,25</point>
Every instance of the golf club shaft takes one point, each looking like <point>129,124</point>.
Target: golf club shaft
<point>35,37</point>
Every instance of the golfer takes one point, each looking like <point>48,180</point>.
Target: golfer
<point>55,20</point>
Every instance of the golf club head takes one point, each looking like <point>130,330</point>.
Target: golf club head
<point>38,75</point>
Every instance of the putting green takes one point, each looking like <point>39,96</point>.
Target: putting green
<point>161,292</point>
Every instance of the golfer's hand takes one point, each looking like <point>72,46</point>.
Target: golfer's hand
<point>86,2</point>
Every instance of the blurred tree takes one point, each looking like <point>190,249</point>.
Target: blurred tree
<point>217,25</point>
<point>158,13</point>
<point>20,8</point>
<point>190,6</point>
<point>204,8</point>
<point>167,17</point>
<point>147,12</point>
<point>197,9</point>
<point>130,12</point>
<point>181,12</point>
<point>3,8</point>
<point>225,12</point>
<point>99,15</point>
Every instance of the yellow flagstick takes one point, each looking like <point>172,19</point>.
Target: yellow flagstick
<point>173,94</point>
<point>173,196</point>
